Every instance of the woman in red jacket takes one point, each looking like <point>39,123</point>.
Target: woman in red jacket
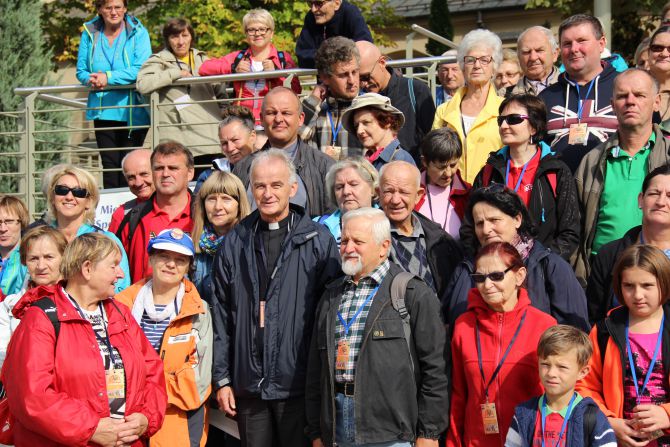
<point>262,55</point>
<point>494,344</point>
<point>91,377</point>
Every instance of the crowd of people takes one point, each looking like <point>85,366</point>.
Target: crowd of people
<point>366,266</point>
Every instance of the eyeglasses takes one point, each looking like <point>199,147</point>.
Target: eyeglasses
<point>365,77</point>
<point>9,222</point>
<point>512,119</point>
<point>655,48</point>
<point>483,60</point>
<point>257,31</point>
<point>479,278</point>
<point>62,190</point>
<point>113,8</point>
<point>318,4</point>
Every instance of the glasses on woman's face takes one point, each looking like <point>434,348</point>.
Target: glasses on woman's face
<point>62,190</point>
<point>483,60</point>
<point>257,31</point>
<point>512,119</point>
<point>479,278</point>
<point>113,8</point>
<point>656,48</point>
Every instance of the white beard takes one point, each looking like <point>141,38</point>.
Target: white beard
<point>351,266</point>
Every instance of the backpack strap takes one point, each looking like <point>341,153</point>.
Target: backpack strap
<point>412,97</point>
<point>238,59</point>
<point>49,308</point>
<point>603,336</point>
<point>134,216</point>
<point>589,423</point>
<point>282,59</point>
<point>398,291</point>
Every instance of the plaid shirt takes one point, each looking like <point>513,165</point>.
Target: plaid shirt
<point>318,130</point>
<point>352,299</point>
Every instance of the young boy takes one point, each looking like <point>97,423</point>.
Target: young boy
<point>561,417</point>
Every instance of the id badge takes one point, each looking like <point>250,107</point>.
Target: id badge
<point>490,419</point>
<point>116,383</point>
<point>342,355</point>
<point>261,315</point>
<point>334,152</point>
<point>579,133</point>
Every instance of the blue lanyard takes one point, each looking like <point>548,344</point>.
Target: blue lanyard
<point>565,419</point>
<point>502,360</point>
<point>114,47</point>
<point>523,171</point>
<point>631,362</point>
<point>580,105</point>
<point>347,325</point>
<point>334,131</point>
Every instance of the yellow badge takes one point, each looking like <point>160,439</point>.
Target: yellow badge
<point>116,383</point>
<point>342,355</point>
<point>490,419</point>
<point>579,133</point>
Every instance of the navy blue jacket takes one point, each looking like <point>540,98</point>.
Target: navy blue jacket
<point>308,261</point>
<point>347,22</point>
<point>552,287</point>
<point>522,430</point>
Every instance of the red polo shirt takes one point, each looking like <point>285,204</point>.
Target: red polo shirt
<point>153,223</point>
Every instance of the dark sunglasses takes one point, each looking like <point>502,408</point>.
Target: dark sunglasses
<point>655,48</point>
<point>479,278</point>
<point>62,190</point>
<point>512,119</point>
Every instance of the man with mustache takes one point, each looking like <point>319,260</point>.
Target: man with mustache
<point>364,386</point>
<point>537,50</point>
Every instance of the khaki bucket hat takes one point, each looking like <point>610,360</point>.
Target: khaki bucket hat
<point>374,100</point>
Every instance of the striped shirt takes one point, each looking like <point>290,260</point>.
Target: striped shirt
<point>353,298</point>
<point>154,330</point>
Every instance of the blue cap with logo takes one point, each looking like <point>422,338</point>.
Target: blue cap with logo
<point>172,239</point>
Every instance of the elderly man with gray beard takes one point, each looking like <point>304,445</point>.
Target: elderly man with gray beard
<point>369,382</point>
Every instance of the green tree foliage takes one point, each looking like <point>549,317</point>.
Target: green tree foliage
<point>217,23</point>
<point>631,20</point>
<point>26,62</point>
<point>439,22</point>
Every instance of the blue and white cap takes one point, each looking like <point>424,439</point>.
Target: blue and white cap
<point>172,239</point>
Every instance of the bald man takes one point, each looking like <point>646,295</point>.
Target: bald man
<point>418,245</point>
<point>136,166</point>
<point>410,96</point>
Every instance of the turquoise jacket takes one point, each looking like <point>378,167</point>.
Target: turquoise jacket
<point>13,273</point>
<point>132,48</point>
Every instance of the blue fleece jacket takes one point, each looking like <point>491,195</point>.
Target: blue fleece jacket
<point>522,429</point>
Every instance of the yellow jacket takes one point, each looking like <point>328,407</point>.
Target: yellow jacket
<point>483,137</point>
<point>186,351</point>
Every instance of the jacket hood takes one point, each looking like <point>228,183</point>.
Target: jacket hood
<point>607,75</point>
<point>545,150</point>
<point>33,295</point>
<point>477,304</point>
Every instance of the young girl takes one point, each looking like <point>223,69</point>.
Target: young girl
<point>631,359</point>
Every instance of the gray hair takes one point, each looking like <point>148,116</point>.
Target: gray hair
<point>125,157</point>
<point>363,167</point>
<point>379,223</point>
<point>278,89</point>
<point>481,38</point>
<point>335,50</point>
<point>274,154</point>
<point>656,87</point>
<point>258,15</point>
<point>414,169</point>
<point>450,53</point>
<point>553,43</point>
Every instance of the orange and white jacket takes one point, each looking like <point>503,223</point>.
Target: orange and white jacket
<point>186,351</point>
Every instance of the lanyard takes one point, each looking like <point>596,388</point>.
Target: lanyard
<point>114,48</point>
<point>523,171</point>
<point>105,340</point>
<point>502,360</point>
<point>333,130</point>
<point>347,325</point>
<point>430,206</point>
<point>565,420</point>
<point>631,362</point>
<point>581,102</point>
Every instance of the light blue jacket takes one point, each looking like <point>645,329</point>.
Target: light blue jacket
<point>125,281</point>
<point>134,48</point>
<point>13,273</point>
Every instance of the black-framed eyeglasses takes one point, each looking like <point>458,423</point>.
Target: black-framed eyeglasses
<point>479,278</point>
<point>365,77</point>
<point>62,190</point>
<point>318,4</point>
<point>512,119</point>
<point>656,48</point>
<point>257,31</point>
<point>483,60</point>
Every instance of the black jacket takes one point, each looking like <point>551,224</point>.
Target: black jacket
<point>347,22</point>
<point>554,213</point>
<point>419,113</point>
<point>311,165</point>
<point>391,403</point>
<point>442,251</point>
<point>599,292</point>
<point>309,260</point>
<point>552,287</point>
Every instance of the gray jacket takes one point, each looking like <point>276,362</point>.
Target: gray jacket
<point>393,399</point>
<point>590,179</point>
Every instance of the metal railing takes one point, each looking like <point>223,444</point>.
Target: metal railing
<point>42,142</point>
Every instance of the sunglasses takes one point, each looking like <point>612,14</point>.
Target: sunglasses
<point>479,278</point>
<point>318,4</point>
<point>365,77</point>
<point>512,119</point>
<point>62,190</point>
<point>655,48</point>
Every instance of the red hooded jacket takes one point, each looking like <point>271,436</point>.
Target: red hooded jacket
<point>519,374</point>
<point>58,399</point>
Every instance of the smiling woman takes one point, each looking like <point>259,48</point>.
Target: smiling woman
<point>13,219</point>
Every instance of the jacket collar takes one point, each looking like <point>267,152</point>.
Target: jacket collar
<point>483,312</point>
<point>96,24</point>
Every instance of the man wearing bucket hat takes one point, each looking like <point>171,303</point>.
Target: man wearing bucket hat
<point>410,96</point>
<point>376,124</point>
<point>177,323</point>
